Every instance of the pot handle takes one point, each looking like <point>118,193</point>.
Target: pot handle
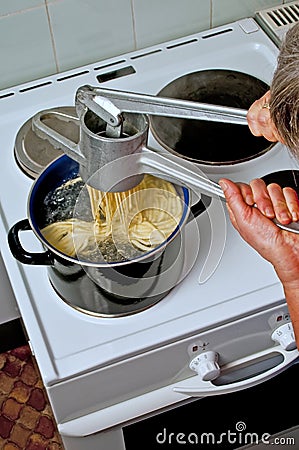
<point>199,207</point>
<point>17,250</point>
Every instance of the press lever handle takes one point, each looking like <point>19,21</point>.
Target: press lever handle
<point>120,101</point>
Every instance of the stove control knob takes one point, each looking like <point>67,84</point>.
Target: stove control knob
<point>285,336</point>
<point>206,365</point>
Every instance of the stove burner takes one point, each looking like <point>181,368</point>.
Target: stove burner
<point>285,178</point>
<point>32,153</point>
<point>99,303</point>
<point>82,287</point>
<point>211,143</point>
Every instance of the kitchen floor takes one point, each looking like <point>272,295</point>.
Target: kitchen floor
<point>26,419</point>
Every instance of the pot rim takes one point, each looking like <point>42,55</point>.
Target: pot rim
<point>35,228</point>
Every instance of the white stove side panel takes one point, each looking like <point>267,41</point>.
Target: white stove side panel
<point>8,305</point>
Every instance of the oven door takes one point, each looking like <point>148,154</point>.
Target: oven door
<point>264,362</point>
<point>252,418</point>
<point>242,417</point>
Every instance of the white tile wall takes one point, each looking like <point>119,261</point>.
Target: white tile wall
<point>161,20</point>
<point>229,10</point>
<point>42,37</point>
<point>26,50</point>
<point>85,31</point>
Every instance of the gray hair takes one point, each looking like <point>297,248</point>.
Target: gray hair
<point>284,103</point>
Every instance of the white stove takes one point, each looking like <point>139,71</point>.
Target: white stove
<point>101,373</point>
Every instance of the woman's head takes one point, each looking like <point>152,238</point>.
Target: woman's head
<point>284,104</point>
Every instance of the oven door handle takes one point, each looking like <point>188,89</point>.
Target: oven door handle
<point>196,387</point>
<point>166,396</point>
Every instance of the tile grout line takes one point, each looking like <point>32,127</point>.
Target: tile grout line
<point>134,24</point>
<point>52,37</point>
<point>20,11</point>
<point>211,13</point>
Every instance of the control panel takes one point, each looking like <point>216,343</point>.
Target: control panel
<point>210,352</point>
<point>282,330</point>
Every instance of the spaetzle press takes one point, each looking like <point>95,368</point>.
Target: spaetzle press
<point>112,151</point>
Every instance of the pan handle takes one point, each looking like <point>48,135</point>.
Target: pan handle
<point>22,255</point>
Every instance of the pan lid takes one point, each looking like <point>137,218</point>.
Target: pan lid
<point>32,153</point>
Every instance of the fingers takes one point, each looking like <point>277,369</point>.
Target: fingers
<point>247,193</point>
<point>261,198</point>
<point>291,197</point>
<point>259,119</point>
<point>272,201</point>
<point>285,203</point>
<point>273,243</point>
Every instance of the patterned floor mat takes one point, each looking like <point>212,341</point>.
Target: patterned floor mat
<point>26,419</point>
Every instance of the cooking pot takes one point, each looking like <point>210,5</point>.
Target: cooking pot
<point>211,143</point>
<point>101,288</point>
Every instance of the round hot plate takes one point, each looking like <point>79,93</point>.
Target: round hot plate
<point>285,178</point>
<point>32,153</point>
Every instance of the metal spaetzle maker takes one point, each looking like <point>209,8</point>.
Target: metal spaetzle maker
<point>112,152</point>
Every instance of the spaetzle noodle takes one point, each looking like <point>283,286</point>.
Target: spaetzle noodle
<point>134,222</point>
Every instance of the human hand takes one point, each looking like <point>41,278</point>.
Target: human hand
<point>259,119</point>
<point>255,224</point>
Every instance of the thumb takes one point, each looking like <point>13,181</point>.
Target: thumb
<point>232,192</point>
<point>238,209</point>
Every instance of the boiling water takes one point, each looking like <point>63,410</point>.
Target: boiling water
<point>62,205</point>
<point>93,226</point>
<point>59,204</point>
